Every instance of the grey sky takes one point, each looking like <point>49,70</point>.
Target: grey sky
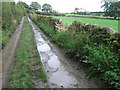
<point>70,5</point>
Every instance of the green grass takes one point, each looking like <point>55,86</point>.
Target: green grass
<point>5,36</point>
<point>101,22</point>
<point>22,71</point>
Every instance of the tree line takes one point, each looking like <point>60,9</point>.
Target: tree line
<point>111,9</point>
<point>35,6</point>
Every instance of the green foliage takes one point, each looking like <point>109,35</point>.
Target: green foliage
<point>24,5</point>
<point>35,5</point>
<point>112,9</point>
<point>11,16</point>
<point>103,61</point>
<point>49,30</point>
<point>47,8</point>
<point>65,40</point>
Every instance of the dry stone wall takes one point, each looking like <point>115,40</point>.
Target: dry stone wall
<point>105,34</point>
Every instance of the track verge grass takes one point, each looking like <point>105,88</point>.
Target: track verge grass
<point>23,72</point>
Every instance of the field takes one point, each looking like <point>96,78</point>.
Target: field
<point>101,22</point>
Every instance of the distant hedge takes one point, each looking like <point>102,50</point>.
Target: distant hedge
<point>50,14</point>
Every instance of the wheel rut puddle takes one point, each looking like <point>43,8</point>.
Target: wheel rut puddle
<point>56,69</point>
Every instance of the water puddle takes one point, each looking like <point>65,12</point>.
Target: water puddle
<point>43,48</point>
<point>53,62</point>
<point>58,76</point>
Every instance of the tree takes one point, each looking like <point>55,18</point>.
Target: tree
<point>76,10</point>
<point>47,8</point>
<point>112,9</point>
<point>23,4</point>
<point>35,5</point>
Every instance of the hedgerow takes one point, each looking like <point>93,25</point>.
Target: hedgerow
<point>11,16</point>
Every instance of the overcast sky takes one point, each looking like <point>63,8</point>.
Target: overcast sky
<point>70,5</point>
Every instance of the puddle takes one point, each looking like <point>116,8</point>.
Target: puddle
<point>62,78</point>
<point>54,62</point>
<point>57,74</point>
<point>43,48</point>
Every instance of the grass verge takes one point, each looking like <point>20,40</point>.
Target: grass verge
<point>26,58</point>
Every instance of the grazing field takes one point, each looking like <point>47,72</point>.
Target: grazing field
<point>101,22</point>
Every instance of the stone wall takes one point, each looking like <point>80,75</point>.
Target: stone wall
<point>56,24</point>
<point>105,34</point>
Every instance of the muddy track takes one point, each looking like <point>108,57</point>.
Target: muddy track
<point>8,53</point>
<point>61,71</point>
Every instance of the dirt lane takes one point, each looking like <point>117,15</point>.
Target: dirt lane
<point>61,71</point>
<point>8,53</point>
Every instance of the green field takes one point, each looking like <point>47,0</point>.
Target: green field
<point>101,22</point>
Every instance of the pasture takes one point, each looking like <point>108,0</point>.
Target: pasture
<point>101,22</point>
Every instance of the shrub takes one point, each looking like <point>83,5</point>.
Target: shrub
<point>103,61</point>
<point>11,16</point>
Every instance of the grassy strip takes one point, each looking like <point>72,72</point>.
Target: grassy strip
<point>100,61</point>
<point>101,22</point>
<point>26,55</point>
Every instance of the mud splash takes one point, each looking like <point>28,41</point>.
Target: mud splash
<point>58,73</point>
